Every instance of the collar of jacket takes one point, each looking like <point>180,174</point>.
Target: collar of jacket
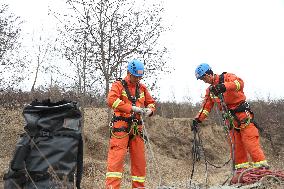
<point>127,79</point>
<point>215,79</point>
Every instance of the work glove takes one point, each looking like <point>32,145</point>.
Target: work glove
<point>194,125</point>
<point>218,89</point>
<point>137,110</point>
<point>147,112</point>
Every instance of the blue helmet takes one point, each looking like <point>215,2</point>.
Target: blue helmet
<point>201,70</point>
<point>136,68</point>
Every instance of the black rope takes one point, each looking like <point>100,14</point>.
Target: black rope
<point>196,154</point>
<point>216,166</point>
<point>197,148</point>
<point>226,111</point>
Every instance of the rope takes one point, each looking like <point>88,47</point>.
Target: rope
<point>151,151</point>
<point>216,166</point>
<point>227,116</point>
<point>31,179</point>
<point>119,137</point>
<point>49,164</point>
<point>123,136</point>
<point>253,175</point>
<point>196,155</point>
<point>197,148</point>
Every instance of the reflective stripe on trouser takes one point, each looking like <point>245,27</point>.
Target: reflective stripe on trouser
<point>247,143</point>
<point>138,179</point>
<point>242,165</point>
<point>114,175</point>
<point>260,164</point>
<point>116,155</point>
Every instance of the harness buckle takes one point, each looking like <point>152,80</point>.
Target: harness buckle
<point>135,121</point>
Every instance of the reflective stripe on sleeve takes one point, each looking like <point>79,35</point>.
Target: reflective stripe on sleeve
<point>116,103</point>
<point>204,112</point>
<point>142,95</point>
<point>151,106</point>
<point>123,93</point>
<point>238,85</point>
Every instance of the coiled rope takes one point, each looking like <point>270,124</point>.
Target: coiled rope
<point>253,175</point>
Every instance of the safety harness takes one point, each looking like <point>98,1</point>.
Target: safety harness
<point>132,121</point>
<point>243,107</point>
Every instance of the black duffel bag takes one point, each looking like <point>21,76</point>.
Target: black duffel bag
<point>50,152</point>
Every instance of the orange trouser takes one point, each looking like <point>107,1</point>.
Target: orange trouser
<point>246,142</point>
<point>117,150</point>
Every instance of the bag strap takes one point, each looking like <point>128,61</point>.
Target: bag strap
<point>79,163</point>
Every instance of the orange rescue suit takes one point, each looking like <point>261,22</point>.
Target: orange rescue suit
<point>245,137</point>
<point>120,142</point>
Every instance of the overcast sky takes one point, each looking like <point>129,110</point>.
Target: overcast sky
<point>245,37</point>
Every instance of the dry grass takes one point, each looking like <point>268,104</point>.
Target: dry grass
<point>170,141</point>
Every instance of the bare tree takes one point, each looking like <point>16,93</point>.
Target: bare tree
<point>75,48</point>
<point>10,64</point>
<point>125,29</point>
<point>9,31</point>
<point>104,35</point>
<point>42,59</point>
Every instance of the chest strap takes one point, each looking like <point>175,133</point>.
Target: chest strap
<point>221,78</point>
<point>133,99</point>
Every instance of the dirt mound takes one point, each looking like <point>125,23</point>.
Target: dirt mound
<point>168,151</point>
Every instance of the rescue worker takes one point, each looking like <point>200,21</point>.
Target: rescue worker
<point>244,135</point>
<point>129,100</point>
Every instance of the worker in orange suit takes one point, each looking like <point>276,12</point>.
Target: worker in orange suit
<point>130,100</point>
<point>244,135</point>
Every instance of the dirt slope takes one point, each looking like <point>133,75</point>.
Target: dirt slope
<point>168,152</point>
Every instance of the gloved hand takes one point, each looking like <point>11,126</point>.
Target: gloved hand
<point>147,112</point>
<point>194,125</point>
<point>218,89</point>
<point>137,110</point>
